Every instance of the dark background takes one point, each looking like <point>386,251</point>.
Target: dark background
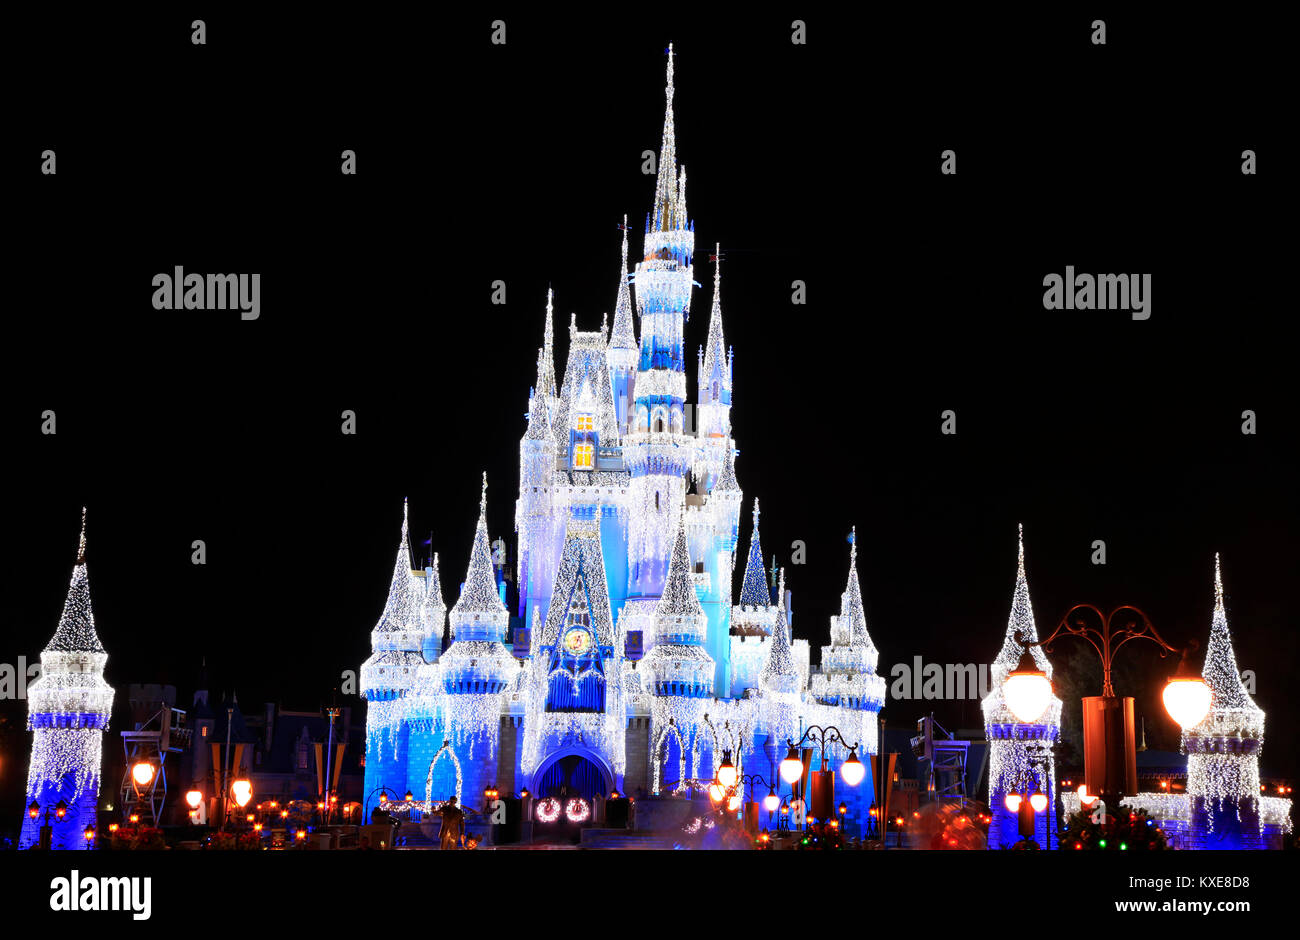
<point>816,162</point>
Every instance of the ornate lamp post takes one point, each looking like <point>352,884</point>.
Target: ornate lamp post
<point>823,783</point>
<point>1110,753</point>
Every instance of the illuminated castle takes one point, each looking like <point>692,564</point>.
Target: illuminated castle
<point>67,711</point>
<point>631,665</point>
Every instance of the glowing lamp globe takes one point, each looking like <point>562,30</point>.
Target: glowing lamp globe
<point>733,802</point>
<point>716,792</point>
<point>142,773</point>
<point>409,796</point>
<point>1187,699</point>
<point>35,809</point>
<point>242,791</point>
<point>194,798</point>
<point>1027,690</point>
<point>1012,802</point>
<point>771,802</point>
<point>90,833</point>
<point>727,771</point>
<point>792,766</point>
<point>1038,801</point>
<point>853,770</point>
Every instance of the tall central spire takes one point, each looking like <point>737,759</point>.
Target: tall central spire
<point>666,201</point>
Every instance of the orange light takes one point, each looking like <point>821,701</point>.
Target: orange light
<point>194,798</point>
<point>249,817</point>
<point>1038,801</point>
<point>135,818</point>
<point>112,827</point>
<point>1027,690</point>
<point>1187,699</point>
<point>733,802</point>
<point>142,773</point>
<point>257,827</point>
<point>242,790</point>
<point>300,835</point>
<point>1012,802</point>
<point>1084,798</point>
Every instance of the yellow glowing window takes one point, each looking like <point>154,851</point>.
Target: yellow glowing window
<point>583,455</point>
<point>586,423</point>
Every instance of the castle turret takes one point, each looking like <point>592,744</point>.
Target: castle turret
<point>751,618</point>
<point>68,707</point>
<point>714,409</point>
<point>623,350</point>
<point>477,666</point>
<point>1020,755</point>
<point>658,452</point>
<point>1223,750</point>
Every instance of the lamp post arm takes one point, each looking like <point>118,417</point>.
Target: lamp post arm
<point>1138,626</point>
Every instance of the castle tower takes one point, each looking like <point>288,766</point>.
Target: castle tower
<point>1020,756</point>
<point>714,409</point>
<point>623,350</point>
<point>679,671</point>
<point>779,681</point>
<point>534,520</point>
<point>388,675</point>
<point>68,707</point>
<point>1223,750</point>
<point>848,676</point>
<point>658,452</point>
<point>751,619</point>
<point>476,668</point>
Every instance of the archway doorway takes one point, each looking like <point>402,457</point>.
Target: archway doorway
<point>573,775</point>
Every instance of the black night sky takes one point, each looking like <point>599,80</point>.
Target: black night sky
<point>816,163</point>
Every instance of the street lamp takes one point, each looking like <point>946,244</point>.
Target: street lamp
<point>1027,689</point>
<point>853,770</point>
<point>1038,801</point>
<point>726,771</point>
<point>1012,802</point>
<point>792,766</point>
<point>194,798</point>
<point>1108,740</point>
<point>142,773</point>
<point>242,791</point>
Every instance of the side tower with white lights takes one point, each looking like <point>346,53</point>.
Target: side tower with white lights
<point>1020,755</point>
<point>67,711</point>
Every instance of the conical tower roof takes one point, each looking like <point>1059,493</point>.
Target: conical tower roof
<point>851,601</point>
<point>623,335</point>
<point>727,482</point>
<point>76,630</point>
<point>479,595</point>
<point>780,673</point>
<point>401,606</point>
<point>753,591</point>
<point>1221,673</point>
<point>715,350</point>
<point>667,201</point>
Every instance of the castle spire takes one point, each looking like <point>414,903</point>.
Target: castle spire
<point>780,674</point>
<point>1020,620</point>
<point>727,481</point>
<point>546,361</point>
<point>851,602</point>
<point>753,590</point>
<point>623,335</point>
<point>399,610</point>
<point>76,630</point>
<point>480,592</point>
<point>666,192</point>
<point>1221,673</point>
<point>715,350</point>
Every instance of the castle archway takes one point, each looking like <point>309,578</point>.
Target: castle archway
<point>578,771</point>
